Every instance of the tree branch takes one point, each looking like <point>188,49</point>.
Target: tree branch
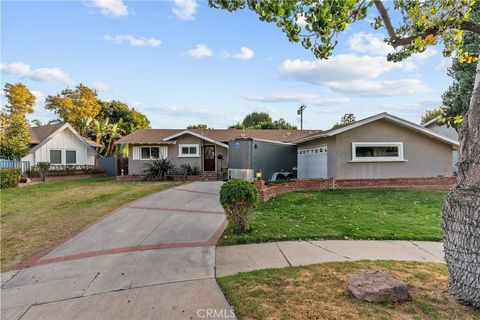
<point>470,26</point>
<point>386,19</point>
<point>395,41</point>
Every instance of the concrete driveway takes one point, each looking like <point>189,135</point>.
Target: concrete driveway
<point>151,259</point>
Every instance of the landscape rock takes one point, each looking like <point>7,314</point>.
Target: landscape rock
<point>377,286</point>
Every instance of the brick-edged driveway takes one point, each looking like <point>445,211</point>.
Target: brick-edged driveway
<point>152,259</point>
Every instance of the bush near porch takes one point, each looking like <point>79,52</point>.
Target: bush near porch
<point>396,214</point>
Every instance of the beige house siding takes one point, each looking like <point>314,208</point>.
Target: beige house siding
<point>135,167</point>
<point>425,157</point>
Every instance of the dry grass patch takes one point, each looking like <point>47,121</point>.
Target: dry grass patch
<point>320,292</point>
<point>36,217</point>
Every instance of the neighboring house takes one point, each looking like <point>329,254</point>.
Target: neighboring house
<point>198,147</point>
<point>382,146</point>
<point>60,144</point>
<point>447,131</point>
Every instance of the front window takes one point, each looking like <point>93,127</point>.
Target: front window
<point>188,150</point>
<point>149,153</point>
<point>56,156</point>
<point>377,151</point>
<point>70,157</point>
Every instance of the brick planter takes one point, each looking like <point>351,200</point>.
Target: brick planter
<point>267,192</point>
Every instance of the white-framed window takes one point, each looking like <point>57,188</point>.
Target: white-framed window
<point>151,153</point>
<point>377,151</point>
<point>56,156</point>
<point>70,156</point>
<point>188,150</point>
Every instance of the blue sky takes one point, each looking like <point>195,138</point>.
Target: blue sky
<point>181,62</point>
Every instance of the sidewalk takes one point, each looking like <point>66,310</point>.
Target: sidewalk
<point>242,258</point>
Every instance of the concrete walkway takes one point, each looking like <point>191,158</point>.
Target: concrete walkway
<point>151,259</point>
<point>242,258</point>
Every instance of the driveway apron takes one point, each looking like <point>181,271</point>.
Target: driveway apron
<point>151,259</point>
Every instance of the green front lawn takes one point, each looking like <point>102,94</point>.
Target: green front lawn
<point>36,217</point>
<point>320,292</point>
<point>345,214</point>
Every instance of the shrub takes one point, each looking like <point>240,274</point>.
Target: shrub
<point>189,170</point>
<point>43,168</point>
<point>238,199</point>
<point>157,168</point>
<point>9,177</point>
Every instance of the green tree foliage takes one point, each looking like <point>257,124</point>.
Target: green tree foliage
<point>72,105</point>
<point>424,22</point>
<point>197,126</point>
<point>238,199</point>
<point>278,124</point>
<point>255,119</point>
<point>347,118</point>
<point>15,136</point>
<point>262,120</point>
<point>431,114</point>
<point>456,100</point>
<point>131,119</point>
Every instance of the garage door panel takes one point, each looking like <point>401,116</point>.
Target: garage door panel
<point>312,162</point>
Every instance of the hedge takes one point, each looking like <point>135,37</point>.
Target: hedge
<point>9,177</point>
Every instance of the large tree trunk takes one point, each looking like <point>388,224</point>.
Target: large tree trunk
<point>461,212</point>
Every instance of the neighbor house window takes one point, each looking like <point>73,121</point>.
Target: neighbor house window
<point>188,150</point>
<point>377,151</point>
<point>70,157</point>
<point>56,156</point>
<point>149,153</point>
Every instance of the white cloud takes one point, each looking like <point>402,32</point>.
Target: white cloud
<point>380,87</point>
<point>39,97</point>
<point>100,86</point>
<point>430,52</point>
<point>244,54</point>
<point>113,8</point>
<point>200,51</point>
<point>300,20</point>
<point>343,67</point>
<point>184,9</point>
<point>354,74</point>
<point>369,43</point>
<point>297,97</point>
<point>444,64</point>
<point>23,70</point>
<point>133,41</point>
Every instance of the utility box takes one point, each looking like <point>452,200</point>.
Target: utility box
<point>276,160</point>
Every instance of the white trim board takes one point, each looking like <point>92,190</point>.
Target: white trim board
<point>181,133</point>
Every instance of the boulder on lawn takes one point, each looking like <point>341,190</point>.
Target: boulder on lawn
<point>377,286</point>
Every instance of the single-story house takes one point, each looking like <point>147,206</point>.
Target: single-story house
<point>381,146</point>
<point>60,144</point>
<point>197,147</point>
<point>447,131</point>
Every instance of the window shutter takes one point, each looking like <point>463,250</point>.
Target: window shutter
<point>136,153</point>
<point>163,152</point>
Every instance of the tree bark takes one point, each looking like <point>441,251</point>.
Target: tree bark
<point>461,211</point>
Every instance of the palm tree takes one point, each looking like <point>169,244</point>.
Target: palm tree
<point>114,133</point>
<point>84,126</point>
<point>100,130</point>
